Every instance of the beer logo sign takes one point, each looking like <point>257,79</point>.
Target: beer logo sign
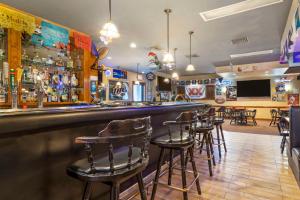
<point>195,91</point>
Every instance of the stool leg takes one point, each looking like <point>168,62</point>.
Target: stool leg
<point>191,150</point>
<point>158,168</point>
<point>208,153</point>
<point>283,144</point>
<point>223,138</point>
<point>202,143</point>
<point>218,139</point>
<point>115,191</point>
<point>211,149</point>
<point>87,191</point>
<point>141,186</point>
<point>183,175</point>
<point>170,167</point>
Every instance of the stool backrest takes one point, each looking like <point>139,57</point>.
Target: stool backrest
<point>186,121</point>
<point>120,135</point>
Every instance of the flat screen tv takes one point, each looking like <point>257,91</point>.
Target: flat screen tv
<point>254,88</point>
<point>163,86</point>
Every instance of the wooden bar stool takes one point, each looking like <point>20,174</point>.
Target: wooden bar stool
<point>218,121</point>
<point>181,137</point>
<point>204,127</point>
<point>127,143</point>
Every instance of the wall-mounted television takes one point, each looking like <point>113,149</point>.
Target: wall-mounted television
<point>163,86</point>
<point>254,88</point>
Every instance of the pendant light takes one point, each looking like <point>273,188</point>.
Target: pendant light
<point>190,67</point>
<point>168,59</point>
<point>175,74</point>
<point>109,30</point>
<point>137,82</point>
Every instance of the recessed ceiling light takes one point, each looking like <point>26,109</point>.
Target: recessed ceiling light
<point>255,53</point>
<point>109,58</point>
<point>236,9</point>
<point>132,45</point>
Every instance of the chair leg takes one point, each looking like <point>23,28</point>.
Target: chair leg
<point>283,144</point>
<point>191,150</point>
<point>87,191</point>
<point>141,186</point>
<point>218,140</point>
<point>209,156</point>
<point>115,192</point>
<point>212,149</point>
<point>223,138</point>
<point>170,167</point>
<point>183,175</point>
<point>158,168</point>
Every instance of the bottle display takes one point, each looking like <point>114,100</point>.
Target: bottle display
<point>4,67</point>
<point>59,72</point>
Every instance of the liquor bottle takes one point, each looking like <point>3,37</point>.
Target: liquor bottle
<point>12,76</point>
<point>74,80</point>
<point>5,72</point>
<point>78,63</point>
<point>70,63</point>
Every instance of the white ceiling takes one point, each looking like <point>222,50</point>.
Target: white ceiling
<point>144,22</point>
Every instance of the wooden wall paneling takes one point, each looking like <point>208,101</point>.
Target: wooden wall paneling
<point>14,49</point>
<point>88,60</point>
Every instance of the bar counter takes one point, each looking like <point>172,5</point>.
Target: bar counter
<point>37,145</point>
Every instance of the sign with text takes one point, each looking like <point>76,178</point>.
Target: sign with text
<point>195,91</point>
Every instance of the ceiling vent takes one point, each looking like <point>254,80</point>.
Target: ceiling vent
<point>240,41</point>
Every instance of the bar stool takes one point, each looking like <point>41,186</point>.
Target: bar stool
<point>127,143</point>
<point>284,131</point>
<point>218,121</point>
<point>180,137</point>
<point>205,127</point>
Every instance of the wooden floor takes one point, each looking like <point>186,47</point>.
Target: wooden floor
<point>253,168</point>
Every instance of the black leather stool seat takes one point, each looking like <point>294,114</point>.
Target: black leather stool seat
<point>176,140</point>
<point>200,129</point>
<point>102,163</point>
<point>218,121</point>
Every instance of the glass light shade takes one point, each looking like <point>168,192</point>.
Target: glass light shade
<point>175,75</point>
<point>108,32</point>
<point>136,82</point>
<point>118,83</point>
<point>166,80</point>
<point>168,58</point>
<point>190,68</point>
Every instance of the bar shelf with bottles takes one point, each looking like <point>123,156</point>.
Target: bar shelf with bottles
<point>54,73</point>
<point>4,68</point>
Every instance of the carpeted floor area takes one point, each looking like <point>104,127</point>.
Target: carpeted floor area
<point>261,128</point>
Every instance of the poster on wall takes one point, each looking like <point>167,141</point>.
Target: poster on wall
<point>195,91</point>
<point>220,94</point>
<point>231,93</point>
<point>293,99</point>
<point>118,90</point>
<point>51,36</point>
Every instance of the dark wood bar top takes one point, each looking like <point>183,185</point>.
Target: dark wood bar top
<point>36,146</point>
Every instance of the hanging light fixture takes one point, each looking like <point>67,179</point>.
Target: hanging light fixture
<point>175,74</point>
<point>190,67</point>
<point>137,82</point>
<point>168,59</point>
<point>109,30</point>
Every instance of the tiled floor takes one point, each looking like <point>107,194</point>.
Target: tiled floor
<point>253,168</point>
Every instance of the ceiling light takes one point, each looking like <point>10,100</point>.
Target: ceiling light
<point>190,67</point>
<point>109,30</point>
<point>168,57</point>
<point>236,9</point>
<point>132,45</point>
<point>175,75</point>
<point>166,80</point>
<point>109,58</point>
<point>255,53</point>
<point>143,72</point>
